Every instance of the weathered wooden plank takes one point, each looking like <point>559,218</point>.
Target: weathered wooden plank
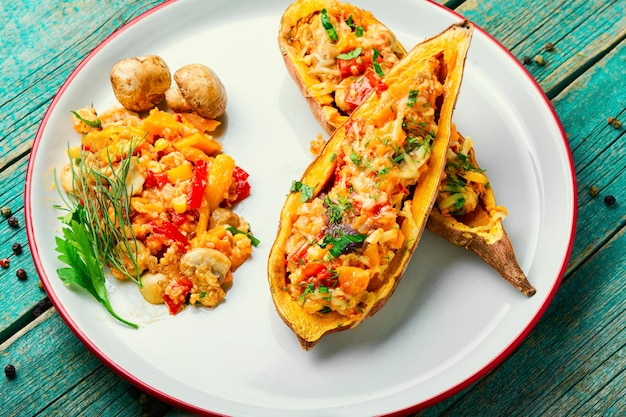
<point>57,375</point>
<point>581,34</point>
<point>598,150</point>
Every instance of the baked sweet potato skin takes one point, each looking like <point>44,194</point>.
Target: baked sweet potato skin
<point>494,248</point>
<point>321,101</point>
<point>450,47</point>
<point>481,230</point>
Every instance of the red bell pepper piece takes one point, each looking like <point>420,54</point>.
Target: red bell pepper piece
<point>241,180</point>
<point>169,231</point>
<point>198,184</point>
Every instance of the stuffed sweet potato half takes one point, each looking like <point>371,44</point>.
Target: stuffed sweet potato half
<point>338,54</point>
<point>351,223</point>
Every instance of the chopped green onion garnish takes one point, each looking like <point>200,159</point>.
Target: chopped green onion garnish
<point>332,33</point>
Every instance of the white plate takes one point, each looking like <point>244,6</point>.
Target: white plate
<point>451,320</point>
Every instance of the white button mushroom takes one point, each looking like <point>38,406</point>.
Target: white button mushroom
<point>198,89</point>
<point>140,83</point>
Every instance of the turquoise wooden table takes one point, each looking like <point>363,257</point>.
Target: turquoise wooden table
<point>572,363</point>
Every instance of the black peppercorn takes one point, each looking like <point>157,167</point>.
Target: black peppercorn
<point>13,222</point>
<point>9,371</point>
<point>17,248</point>
<point>21,274</point>
<point>549,46</point>
<point>526,60</point>
<point>609,200</point>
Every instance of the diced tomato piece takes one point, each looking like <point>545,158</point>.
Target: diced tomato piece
<point>242,186</point>
<point>155,180</point>
<point>176,294</point>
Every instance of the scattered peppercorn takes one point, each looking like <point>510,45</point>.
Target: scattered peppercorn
<point>42,306</point>
<point>13,222</point>
<point>549,46</point>
<point>9,371</point>
<point>17,248</point>
<point>593,191</point>
<point>5,263</point>
<point>539,60</point>
<point>6,211</point>
<point>526,60</point>
<point>609,200</point>
<point>21,274</point>
<point>614,122</point>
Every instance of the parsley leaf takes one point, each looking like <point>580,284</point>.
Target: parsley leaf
<point>235,231</point>
<point>412,98</point>
<point>341,242</point>
<point>306,190</point>
<point>350,55</point>
<point>377,67</point>
<point>77,250</point>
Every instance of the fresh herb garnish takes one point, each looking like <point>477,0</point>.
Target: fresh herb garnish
<point>98,228</point>
<point>335,211</point>
<point>78,250</point>
<point>465,163</point>
<point>358,30</point>
<point>330,30</point>
<point>412,97</point>
<point>306,190</point>
<point>350,55</point>
<point>91,123</point>
<point>341,241</point>
<point>234,231</point>
<point>376,65</point>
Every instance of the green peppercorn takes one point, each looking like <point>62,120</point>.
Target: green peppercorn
<point>593,191</point>
<point>13,222</point>
<point>17,248</point>
<point>539,60</point>
<point>6,211</point>
<point>21,274</point>
<point>9,371</point>
<point>609,200</point>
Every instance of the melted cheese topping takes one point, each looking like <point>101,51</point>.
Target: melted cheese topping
<point>344,239</point>
<point>317,53</point>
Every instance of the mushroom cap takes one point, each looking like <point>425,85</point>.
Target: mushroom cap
<point>139,83</point>
<point>202,89</point>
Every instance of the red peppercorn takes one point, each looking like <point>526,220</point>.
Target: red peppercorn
<point>5,263</point>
